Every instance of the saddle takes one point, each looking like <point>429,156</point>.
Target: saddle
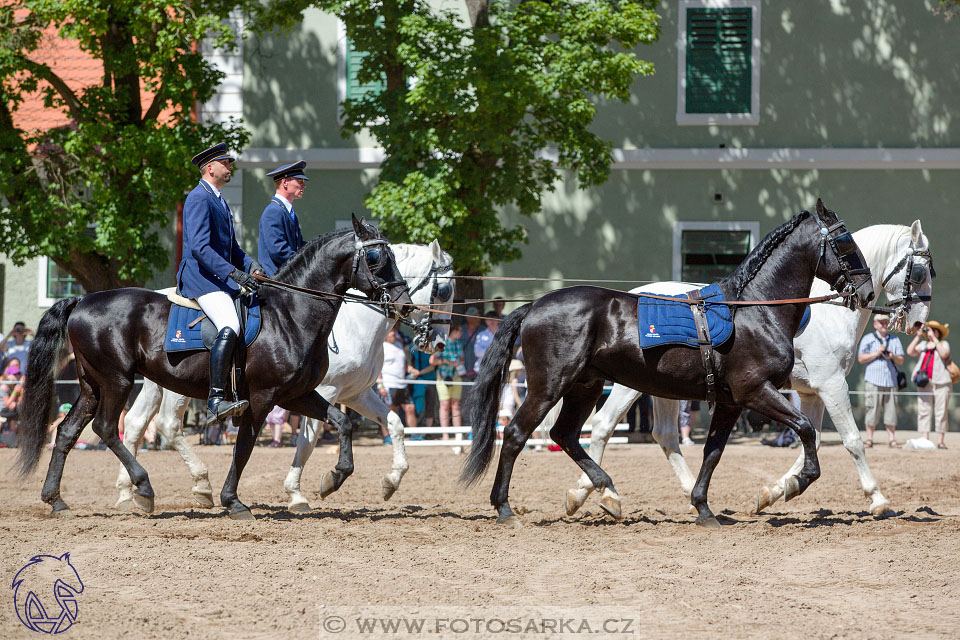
<point>189,329</point>
<point>705,325</point>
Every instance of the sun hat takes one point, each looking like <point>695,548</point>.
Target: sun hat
<point>880,317</point>
<point>472,311</point>
<point>944,329</point>
<point>65,407</point>
<point>515,365</point>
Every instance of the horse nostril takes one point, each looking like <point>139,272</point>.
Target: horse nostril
<point>871,296</point>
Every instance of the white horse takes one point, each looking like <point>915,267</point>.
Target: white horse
<point>825,352</point>
<point>356,358</point>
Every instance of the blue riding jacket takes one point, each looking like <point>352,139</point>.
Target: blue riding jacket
<point>210,249</point>
<point>280,236</point>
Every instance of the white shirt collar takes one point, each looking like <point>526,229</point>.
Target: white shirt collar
<point>216,191</point>
<point>286,203</point>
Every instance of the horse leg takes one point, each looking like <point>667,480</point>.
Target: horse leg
<point>315,406</point>
<point>724,417</point>
<point>371,406</point>
<point>106,425</point>
<point>578,402</point>
<point>134,424</point>
<point>812,407</point>
<point>515,435</point>
<point>249,428</point>
<point>68,432</point>
<point>170,423</point>
<point>306,442</point>
<point>772,404</point>
<point>665,414</point>
<point>837,400</point>
<point>618,403</point>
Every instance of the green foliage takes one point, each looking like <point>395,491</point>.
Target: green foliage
<point>469,110</point>
<point>94,195</point>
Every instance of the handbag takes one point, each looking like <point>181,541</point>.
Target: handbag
<point>902,379</point>
<point>953,370</point>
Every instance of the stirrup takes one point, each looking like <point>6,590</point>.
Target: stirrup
<point>224,408</point>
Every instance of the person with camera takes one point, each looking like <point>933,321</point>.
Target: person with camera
<point>16,345</point>
<point>882,353</point>
<point>932,378</point>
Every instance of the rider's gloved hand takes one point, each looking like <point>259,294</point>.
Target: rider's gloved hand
<point>245,280</point>
<point>256,268</point>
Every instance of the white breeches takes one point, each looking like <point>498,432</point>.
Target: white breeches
<point>218,306</point>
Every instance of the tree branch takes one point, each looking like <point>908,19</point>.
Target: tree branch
<point>44,72</point>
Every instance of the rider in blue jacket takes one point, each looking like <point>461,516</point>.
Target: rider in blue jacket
<point>212,267</point>
<point>280,235</point>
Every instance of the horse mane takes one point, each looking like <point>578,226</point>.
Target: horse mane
<point>298,264</point>
<point>750,267</point>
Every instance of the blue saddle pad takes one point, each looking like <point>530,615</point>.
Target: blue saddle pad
<point>182,337</point>
<point>804,321</point>
<point>662,322</point>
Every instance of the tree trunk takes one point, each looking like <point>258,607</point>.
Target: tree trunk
<point>94,272</point>
<point>478,12</point>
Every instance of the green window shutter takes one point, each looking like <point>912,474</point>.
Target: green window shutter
<point>709,255</point>
<point>718,60</point>
<point>355,89</point>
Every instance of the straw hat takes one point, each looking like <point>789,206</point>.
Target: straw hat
<point>944,329</point>
<point>515,365</point>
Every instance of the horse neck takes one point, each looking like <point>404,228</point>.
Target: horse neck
<point>880,245</point>
<point>788,271</point>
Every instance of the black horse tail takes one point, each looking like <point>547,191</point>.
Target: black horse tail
<point>483,401</point>
<point>38,388</point>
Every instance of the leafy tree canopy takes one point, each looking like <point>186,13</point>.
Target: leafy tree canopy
<point>94,194</point>
<point>469,109</point>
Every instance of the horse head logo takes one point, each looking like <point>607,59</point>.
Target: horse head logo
<point>45,594</point>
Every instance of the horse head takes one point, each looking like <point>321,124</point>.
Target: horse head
<point>841,263</point>
<point>374,270</point>
<point>907,279</point>
<point>430,276</point>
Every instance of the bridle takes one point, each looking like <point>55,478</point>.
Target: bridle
<point>848,256</point>
<point>372,254</point>
<point>915,276</point>
<point>441,292</point>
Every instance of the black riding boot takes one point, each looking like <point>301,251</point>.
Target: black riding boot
<point>221,358</point>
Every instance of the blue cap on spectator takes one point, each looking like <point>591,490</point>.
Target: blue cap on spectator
<point>216,152</point>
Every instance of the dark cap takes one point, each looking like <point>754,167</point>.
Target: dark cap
<point>294,170</point>
<point>216,152</point>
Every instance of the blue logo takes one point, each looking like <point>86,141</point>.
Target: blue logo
<point>45,594</point>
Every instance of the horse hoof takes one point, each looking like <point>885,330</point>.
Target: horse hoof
<point>327,485</point>
<point>241,515</point>
<point>610,503</point>
<point>125,504</point>
<point>299,507</point>
<point>791,488</point>
<point>881,508</point>
<point>143,503</point>
<point>709,523</point>
<point>510,522</point>
<point>764,500</point>
<point>574,500</point>
<point>203,500</point>
<point>61,514</point>
<point>387,488</point>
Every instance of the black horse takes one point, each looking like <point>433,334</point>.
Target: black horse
<point>576,338</point>
<point>116,334</point>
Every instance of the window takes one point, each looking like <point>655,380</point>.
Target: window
<point>348,63</point>
<point>55,283</point>
<point>707,251</point>
<point>719,46</point>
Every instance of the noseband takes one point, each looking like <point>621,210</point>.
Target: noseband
<point>915,276</point>
<point>370,253</point>
<point>845,250</point>
<point>421,329</point>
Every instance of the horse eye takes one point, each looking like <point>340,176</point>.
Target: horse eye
<point>443,292</point>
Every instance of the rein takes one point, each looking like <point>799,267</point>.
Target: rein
<point>310,293</point>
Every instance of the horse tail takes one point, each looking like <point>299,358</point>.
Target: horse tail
<point>38,387</point>
<point>483,401</point>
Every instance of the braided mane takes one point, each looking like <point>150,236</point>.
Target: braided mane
<point>750,267</point>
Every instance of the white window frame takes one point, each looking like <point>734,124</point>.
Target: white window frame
<point>43,266</point>
<point>752,118</point>
<point>680,226</point>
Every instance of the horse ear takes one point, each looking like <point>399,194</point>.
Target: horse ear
<point>435,251</point>
<point>916,233</point>
<point>821,210</point>
<point>359,227</point>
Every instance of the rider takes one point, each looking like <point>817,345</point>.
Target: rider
<point>213,265</point>
<point>280,235</point>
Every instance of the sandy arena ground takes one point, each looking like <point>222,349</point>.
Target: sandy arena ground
<point>818,567</point>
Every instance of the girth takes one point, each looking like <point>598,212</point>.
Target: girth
<point>705,344</point>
